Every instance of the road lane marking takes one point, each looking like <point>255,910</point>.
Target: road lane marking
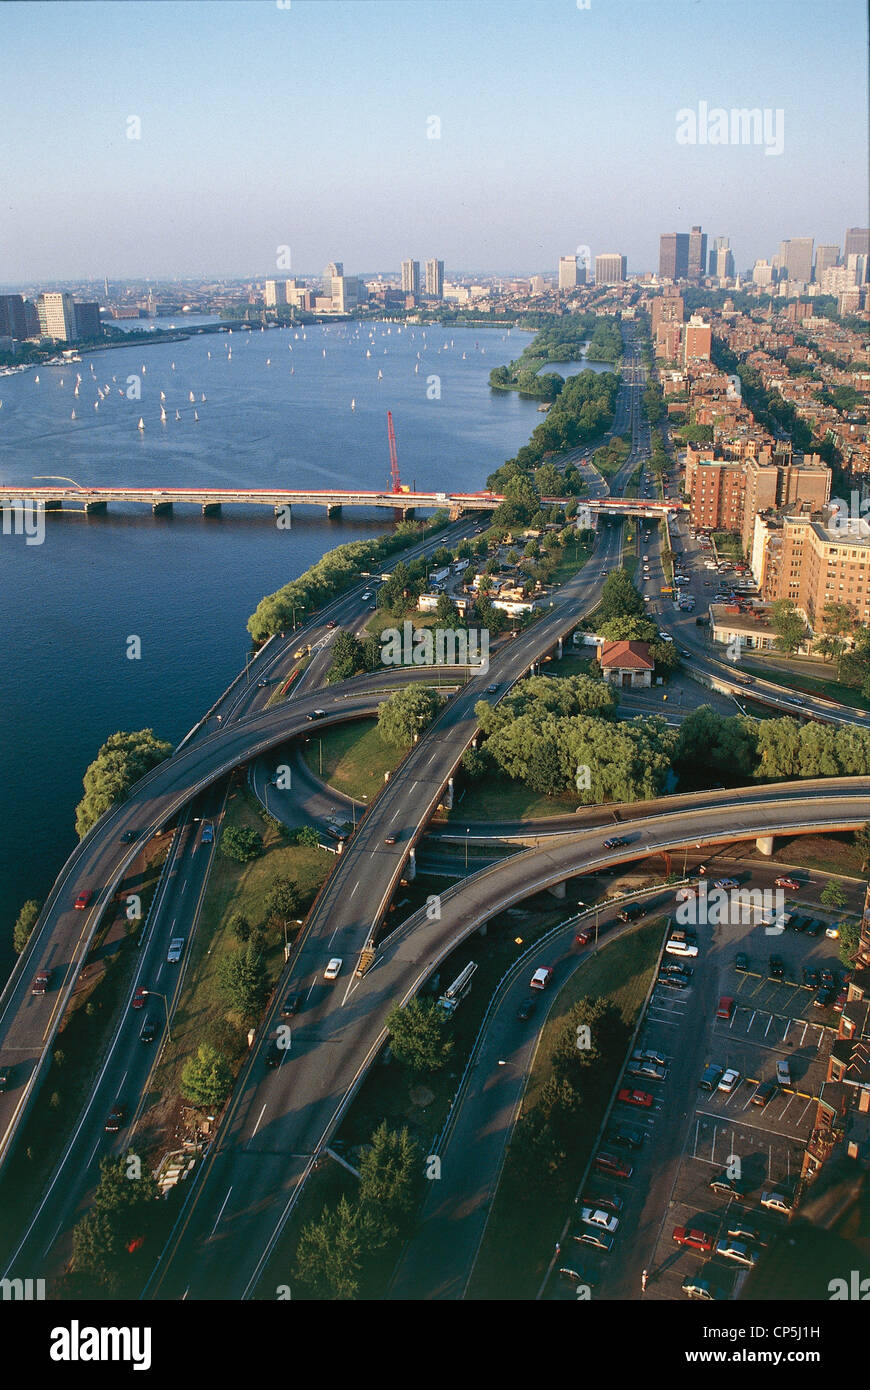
<point>221,1212</point>
<point>257,1125</point>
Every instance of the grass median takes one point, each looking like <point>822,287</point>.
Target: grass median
<point>352,758</point>
<point>521,1233</point>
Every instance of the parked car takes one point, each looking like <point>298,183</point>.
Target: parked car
<point>613,1204</point>
<point>5,1078</point>
<point>742,962</point>
<point>840,1001</point>
<point>611,1165</point>
<point>598,1239</point>
<point>810,978</point>
<point>625,1138</point>
<point>741,1230</point>
<point>729,1080</point>
<point>776,1201</point>
<point>681,948</point>
<point>763,1093</point>
<point>694,1287</point>
<point>725,1007</point>
<point>775,968</point>
<point>573,1273</point>
<point>711,1077</point>
<point>727,1187</point>
<point>639,1098</point>
<point>783,1072</point>
<point>736,1250</point>
<point>599,1218</point>
<point>694,1238</point>
<point>824,998</point>
<point>829,979</point>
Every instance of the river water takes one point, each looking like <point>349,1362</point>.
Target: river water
<point>277,412</point>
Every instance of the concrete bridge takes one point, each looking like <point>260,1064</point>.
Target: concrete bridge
<point>403,504</point>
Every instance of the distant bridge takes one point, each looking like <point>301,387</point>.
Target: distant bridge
<point>403,504</point>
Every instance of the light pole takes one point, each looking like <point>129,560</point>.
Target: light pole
<point>467,832</point>
<point>353,808</point>
<point>158,995</point>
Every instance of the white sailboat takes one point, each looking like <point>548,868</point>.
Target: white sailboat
<point>76,391</point>
<point>96,405</point>
<point>177,415</point>
<point>172,364</point>
<point>368,354</point>
<point>208,354</point>
<point>353,404</point>
<point>195,415</point>
<point>61,381</point>
<point>202,397</point>
<point>380,376</point>
<point>268,361</point>
<point>191,397</point>
<point>36,381</point>
<point>73,416</point>
<point>141,424</point>
<point>163,395</point>
<point>162,416</point>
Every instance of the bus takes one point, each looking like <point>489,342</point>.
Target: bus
<point>455,993</point>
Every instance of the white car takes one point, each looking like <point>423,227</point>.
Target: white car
<point>601,1220</point>
<point>775,1201</point>
<point>681,948</point>
<point>729,1080</point>
<point>176,946</point>
<point>333,969</point>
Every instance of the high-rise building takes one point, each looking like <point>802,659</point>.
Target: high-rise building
<point>410,277</point>
<point>720,243</point>
<point>567,272</point>
<point>797,258</point>
<point>697,254</point>
<point>13,323</point>
<point>435,279</point>
<point>610,268</point>
<point>697,340</point>
<point>857,242</point>
<point>723,267</point>
<point>762,273</point>
<point>88,319</point>
<point>275,293</point>
<point>856,268</point>
<point>674,256</point>
<point>333,269</point>
<point>347,292</point>
<point>57,315</point>
<point>826,256</point>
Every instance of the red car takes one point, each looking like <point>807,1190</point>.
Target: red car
<point>790,883</point>
<point>696,1240</point>
<point>40,983</point>
<point>635,1097</point>
<point>84,898</point>
<point>139,997</point>
<point>583,937</point>
<point>614,1167</point>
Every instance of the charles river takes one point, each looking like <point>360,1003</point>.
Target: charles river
<point>277,412</point>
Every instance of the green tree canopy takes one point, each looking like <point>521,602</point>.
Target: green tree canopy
<point>24,924</point>
<point>206,1078</point>
<point>241,843</point>
<point>122,760</point>
<point>244,982</point>
<point>406,713</point>
<point>419,1035</point>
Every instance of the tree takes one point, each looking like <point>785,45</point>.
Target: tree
<point>240,926</point>
<point>241,844</point>
<point>407,712</point>
<point>476,763</point>
<point>284,901</point>
<point>306,835</point>
<point>347,657</point>
<point>445,611</point>
<point>244,982</point>
<point>862,843</point>
<point>122,760</point>
<point>849,941</point>
<point>329,1256</point>
<point>96,1249</point>
<point>24,924</point>
<point>619,597</point>
<point>206,1079</point>
<point>723,743</point>
<point>788,625</point>
<point>418,1035</point>
<point>390,1180</point>
<point>628,629</point>
<point>832,895</point>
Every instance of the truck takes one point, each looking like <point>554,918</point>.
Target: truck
<point>438,576</point>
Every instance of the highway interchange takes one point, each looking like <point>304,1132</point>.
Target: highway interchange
<point>277,1124</point>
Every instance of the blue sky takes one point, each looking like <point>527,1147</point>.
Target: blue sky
<point>307,127</point>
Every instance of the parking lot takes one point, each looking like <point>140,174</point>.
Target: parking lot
<point>690,1135</point>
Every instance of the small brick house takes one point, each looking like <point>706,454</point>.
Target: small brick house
<point>626,664</point>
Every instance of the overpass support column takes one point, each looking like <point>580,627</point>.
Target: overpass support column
<point>411,867</point>
<point>211,508</point>
<point>333,511</point>
<point>764,844</point>
<point>559,650</point>
<point>96,508</point>
<point>557,890</point>
<point>53,504</point>
<point>447,798</point>
<point>161,508</point>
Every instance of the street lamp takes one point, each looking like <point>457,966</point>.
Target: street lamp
<point>158,995</point>
<point>467,832</point>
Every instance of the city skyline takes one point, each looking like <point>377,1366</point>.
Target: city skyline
<point>332,145</point>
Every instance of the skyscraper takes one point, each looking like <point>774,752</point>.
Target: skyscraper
<point>697,254</point>
<point>797,258</point>
<point>333,269</point>
<point>57,315</point>
<point>674,256</point>
<point>411,277</point>
<point>857,242</point>
<point>610,268</point>
<point>13,323</point>
<point>275,293</point>
<point>826,256</point>
<point>567,272</point>
<point>435,279</point>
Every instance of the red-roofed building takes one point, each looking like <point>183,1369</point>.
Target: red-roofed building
<point>626,664</point>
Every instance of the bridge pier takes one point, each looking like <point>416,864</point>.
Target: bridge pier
<point>447,797</point>
<point>211,508</point>
<point>403,513</point>
<point>410,868</point>
<point>764,844</point>
<point>557,890</point>
<point>53,504</point>
<point>96,508</point>
<point>333,511</point>
<point>161,508</point>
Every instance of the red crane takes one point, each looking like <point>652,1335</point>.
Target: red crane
<point>395,481</point>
